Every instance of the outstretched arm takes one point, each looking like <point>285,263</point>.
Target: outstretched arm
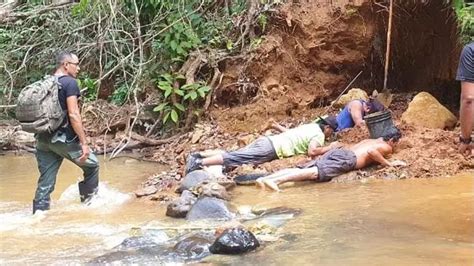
<point>278,127</point>
<point>377,154</point>
<point>315,148</point>
<point>356,110</point>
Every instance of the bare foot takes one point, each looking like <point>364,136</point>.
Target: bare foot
<point>259,182</point>
<point>272,185</point>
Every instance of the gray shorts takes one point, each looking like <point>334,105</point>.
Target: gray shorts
<point>258,152</point>
<point>333,163</point>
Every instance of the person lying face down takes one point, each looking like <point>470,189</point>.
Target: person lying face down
<point>339,161</point>
<point>306,139</point>
<point>354,112</point>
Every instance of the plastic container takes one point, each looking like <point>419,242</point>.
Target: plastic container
<point>379,123</point>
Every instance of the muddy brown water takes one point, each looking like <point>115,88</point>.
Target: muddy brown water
<point>413,221</point>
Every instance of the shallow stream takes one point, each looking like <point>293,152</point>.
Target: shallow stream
<point>413,221</point>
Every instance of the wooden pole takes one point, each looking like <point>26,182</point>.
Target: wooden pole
<point>387,53</point>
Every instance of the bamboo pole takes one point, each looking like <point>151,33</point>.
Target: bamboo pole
<point>387,53</point>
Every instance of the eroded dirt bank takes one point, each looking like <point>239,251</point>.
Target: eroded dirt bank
<point>310,53</point>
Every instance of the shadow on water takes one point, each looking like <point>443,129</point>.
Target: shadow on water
<point>414,221</point>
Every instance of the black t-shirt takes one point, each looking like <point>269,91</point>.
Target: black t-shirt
<point>69,87</point>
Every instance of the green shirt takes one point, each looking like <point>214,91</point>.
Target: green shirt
<point>295,141</point>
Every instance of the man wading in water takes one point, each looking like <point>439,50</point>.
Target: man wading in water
<point>69,141</point>
<point>338,161</point>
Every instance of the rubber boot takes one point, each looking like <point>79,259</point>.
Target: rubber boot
<point>86,191</point>
<point>40,206</point>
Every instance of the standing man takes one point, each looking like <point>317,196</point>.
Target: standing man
<point>466,113</point>
<point>69,141</point>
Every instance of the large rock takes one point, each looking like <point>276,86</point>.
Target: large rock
<point>234,241</point>
<point>353,94</point>
<point>180,207</point>
<point>194,247</point>
<point>424,110</point>
<point>211,189</point>
<point>193,179</point>
<point>210,208</point>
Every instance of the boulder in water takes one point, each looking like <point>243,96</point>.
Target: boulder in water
<point>194,247</point>
<point>234,241</point>
<point>210,208</point>
<point>180,207</point>
<point>211,189</point>
<point>193,179</point>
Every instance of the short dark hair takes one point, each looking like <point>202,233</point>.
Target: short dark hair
<point>375,106</point>
<point>392,134</point>
<point>328,121</point>
<point>61,56</point>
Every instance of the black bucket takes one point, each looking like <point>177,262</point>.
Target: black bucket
<point>379,123</point>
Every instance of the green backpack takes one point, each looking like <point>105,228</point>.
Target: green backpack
<point>38,108</point>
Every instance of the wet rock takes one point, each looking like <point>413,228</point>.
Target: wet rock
<point>180,207</point>
<point>193,179</point>
<point>353,94</point>
<point>161,198</point>
<point>210,208</point>
<point>194,247</point>
<point>424,110</point>
<point>211,190</point>
<point>136,242</point>
<point>226,183</point>
<point>148,190</point>
<point>148,238</point>
<point>234,241</point>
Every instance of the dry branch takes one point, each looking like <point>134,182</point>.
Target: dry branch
<point>11,17</point>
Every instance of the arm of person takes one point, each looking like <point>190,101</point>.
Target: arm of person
<point>278,127</point>
<point>466,114</point>
<point>315,148</point>
<point>377,154</point>
<point>76,123</point>
<point>356,110</point>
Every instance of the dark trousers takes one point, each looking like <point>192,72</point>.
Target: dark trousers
<point>49,157</point>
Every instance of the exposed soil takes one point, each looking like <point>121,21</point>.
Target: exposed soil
<point>310,52</point>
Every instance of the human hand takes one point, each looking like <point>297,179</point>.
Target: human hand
<point>398,163</point>
<point>85,153</point>
<point>335,144</point>
<point>466,149</point>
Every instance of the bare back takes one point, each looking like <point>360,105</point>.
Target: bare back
<point>361,150</point>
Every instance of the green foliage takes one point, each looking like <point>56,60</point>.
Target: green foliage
<point>465,15</point>
<point>104,35</point>
<point>176,97</point>
<point>178,41</point>
<point>89,88</point>
<point>120,95</point>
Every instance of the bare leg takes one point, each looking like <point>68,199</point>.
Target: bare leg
<point>261,184</point>
<point>209,153</point>
<point>213,160</point>
<point>295,174</point>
